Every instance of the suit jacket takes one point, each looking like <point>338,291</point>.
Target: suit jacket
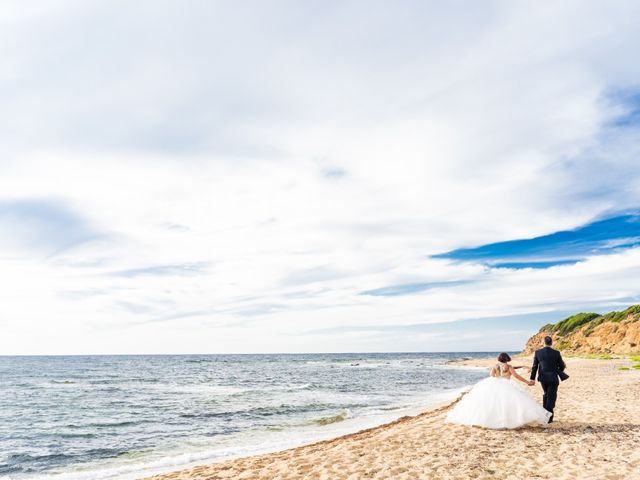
<point>547,362</point>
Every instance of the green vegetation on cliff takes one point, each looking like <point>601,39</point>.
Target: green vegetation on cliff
<point>569,324</point>
<point>615,333</point>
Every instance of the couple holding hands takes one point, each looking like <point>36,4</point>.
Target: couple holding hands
<point>499,402</point>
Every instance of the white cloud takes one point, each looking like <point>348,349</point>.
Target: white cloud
<point>299,156</point>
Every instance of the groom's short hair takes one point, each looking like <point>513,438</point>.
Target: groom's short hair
<point>548,340</point>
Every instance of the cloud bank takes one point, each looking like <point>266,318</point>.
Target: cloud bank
<point>289,176</point>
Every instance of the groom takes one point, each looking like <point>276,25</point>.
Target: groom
<point>550,363</point>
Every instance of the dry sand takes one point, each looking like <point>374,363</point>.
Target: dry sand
<point>596,436</point>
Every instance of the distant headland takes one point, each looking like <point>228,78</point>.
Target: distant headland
<point>613,332</point>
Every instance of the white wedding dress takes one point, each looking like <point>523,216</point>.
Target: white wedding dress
<point>498,402</point>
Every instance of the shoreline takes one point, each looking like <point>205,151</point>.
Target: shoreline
<point>436,409</point>
<point>329,437</point>
<point>218,409</point>
<point>596,437</point>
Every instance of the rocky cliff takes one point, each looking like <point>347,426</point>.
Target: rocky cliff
<point>614,332</point>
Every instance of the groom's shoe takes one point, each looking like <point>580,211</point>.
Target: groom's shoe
<point>551,419</point>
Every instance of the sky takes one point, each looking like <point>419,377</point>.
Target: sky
<point>301,176</point>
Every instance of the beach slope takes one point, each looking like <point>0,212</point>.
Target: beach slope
<point>596,436</point>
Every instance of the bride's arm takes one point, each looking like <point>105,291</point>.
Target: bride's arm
<point>493,372</point>
<point>515,374</point>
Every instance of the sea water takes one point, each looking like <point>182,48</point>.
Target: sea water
<point>124,417</point>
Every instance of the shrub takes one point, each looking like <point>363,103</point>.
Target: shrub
<point>633,310</point>
<point>619,316</point>
<point>573,322</point>
<point>623,368</point>
<point>614,317</point>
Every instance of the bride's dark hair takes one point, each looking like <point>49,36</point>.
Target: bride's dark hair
<point>504,358</point>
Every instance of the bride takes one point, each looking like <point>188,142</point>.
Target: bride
<point>498,401</point>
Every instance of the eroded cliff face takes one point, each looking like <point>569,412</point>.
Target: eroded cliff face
<point>617,334</point>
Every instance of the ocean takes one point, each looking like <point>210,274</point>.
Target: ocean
<point>124,417</point>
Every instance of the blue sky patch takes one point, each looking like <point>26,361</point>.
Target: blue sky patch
<point>517,265</point>
<point>46,225</point>
<point>630,102</point>
<point>560,248</point>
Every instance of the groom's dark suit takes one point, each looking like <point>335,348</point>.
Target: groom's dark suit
<point>547,362</point>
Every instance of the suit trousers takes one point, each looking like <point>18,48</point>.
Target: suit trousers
<point>550,394</point>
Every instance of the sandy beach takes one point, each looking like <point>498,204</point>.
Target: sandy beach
<point>596,436</point>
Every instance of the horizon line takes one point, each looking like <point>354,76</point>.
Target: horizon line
<point>251,353</point>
